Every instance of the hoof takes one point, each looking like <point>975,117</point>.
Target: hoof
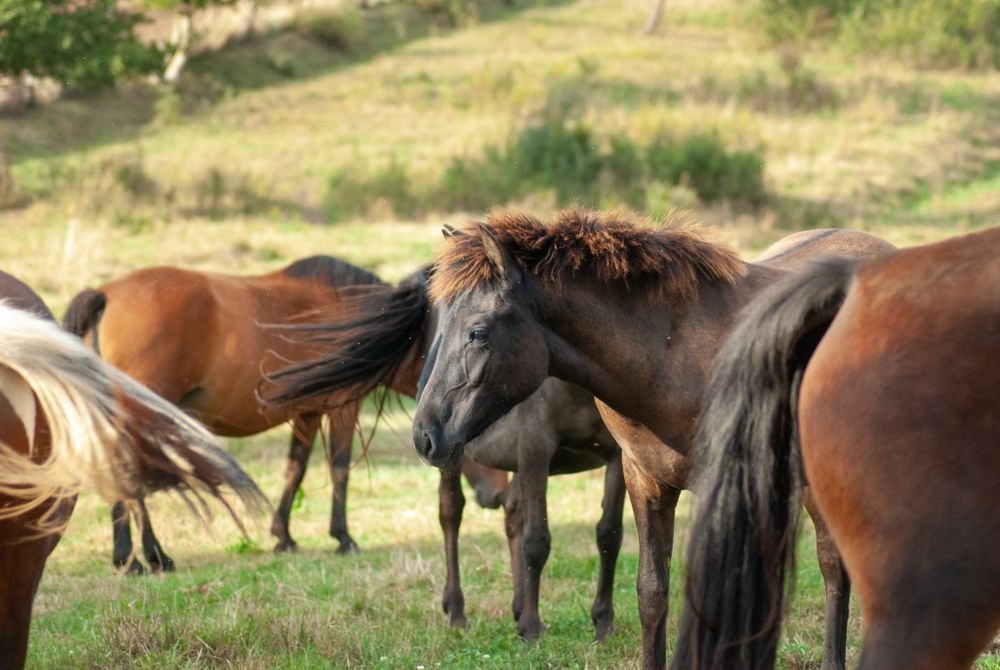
<point>133,569</point>
<point>348,547</point>
<point>530,632</point>
<point>457,620</point>
<point>161,563</point>
<point>603,630</point>
<point>286,546</point>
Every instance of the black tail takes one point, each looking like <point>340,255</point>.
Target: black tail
<point>360,354</point>
<point>748,489</point>
<point>84,313</point>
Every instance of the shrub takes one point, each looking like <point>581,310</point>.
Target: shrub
<point>712,172</point>
<point>929,32</point>
<point>351,192</point>
<point>339,28</point>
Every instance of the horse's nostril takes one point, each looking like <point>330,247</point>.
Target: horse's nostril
<point>425,444</point>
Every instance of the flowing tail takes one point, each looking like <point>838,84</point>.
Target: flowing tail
<point>106,431</point>
<point>748,491</point>
<point>84,312</point>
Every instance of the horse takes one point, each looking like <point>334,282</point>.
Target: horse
<point>877,383</point>
<point>556,431</point>
<point>634,314</point>
<point>68,421</point>
<point>195,338</point>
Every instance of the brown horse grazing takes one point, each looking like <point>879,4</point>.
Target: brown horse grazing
<point>195,338</point>
<point>881,381</point>
<point>634,315</point>
<point>68,421</point>
<point>556,431</point>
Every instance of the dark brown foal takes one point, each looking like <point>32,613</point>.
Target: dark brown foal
<point>632,313</point>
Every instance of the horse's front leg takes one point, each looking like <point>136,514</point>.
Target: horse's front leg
<point>654,506</point>
<point>609,544</point>
<point>342,424</point>
<point>21,562</point>
<point>537,541</point>
<point>451,502</point>
<point>513,523</point>
<point>838,589</point>
<point>304,430</point>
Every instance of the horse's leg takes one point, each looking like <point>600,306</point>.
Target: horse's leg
<point>451,502</point>
<point>513,523</point>
<point>536,544</point>
<point>838,589</point>
<point>304,428</point>
<point>21,564</point>
<point>121,538</point>
<point>653,506</point>
<point>155,556</point>
<point>341,436</point>
<point>609,543</point>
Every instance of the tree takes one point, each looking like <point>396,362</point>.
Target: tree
<point>180,38</point>
<point>84,44</point>
<point>654,18</point>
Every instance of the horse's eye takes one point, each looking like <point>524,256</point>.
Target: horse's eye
<point>478,335</point>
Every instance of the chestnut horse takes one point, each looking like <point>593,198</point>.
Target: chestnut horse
<point>556,431</point>
<point>68,421</point>
<point>634,315</point>
<point>880,380</point>
<point>195,338</point>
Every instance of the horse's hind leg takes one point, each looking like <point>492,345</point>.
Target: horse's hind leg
<point>341,435</point>
<point>609,543</point>
<point>304,428</point>
<point>536,543</point>
<point>838,589</point>
<point>451,502</point>
<point>121,537</point>
<point>155,556</point>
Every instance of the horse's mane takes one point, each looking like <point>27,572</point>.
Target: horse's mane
<point>333,271</point>
<point>611,246</point>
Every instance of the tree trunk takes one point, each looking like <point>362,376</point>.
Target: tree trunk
<point>251,17</point>
<point>181,39</point>
<point>654,19</point>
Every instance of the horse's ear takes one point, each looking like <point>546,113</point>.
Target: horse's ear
<point>450,231</point>
<point>504,266</point>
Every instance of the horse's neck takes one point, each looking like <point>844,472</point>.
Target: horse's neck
<point>648,359</point>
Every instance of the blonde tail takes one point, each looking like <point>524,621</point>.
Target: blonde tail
<point>106,431</point>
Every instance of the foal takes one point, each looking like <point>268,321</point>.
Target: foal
<point>634,315</point>
<point>195,338</point>
<point>556,431</point>
<point>881,381</point>
<point>68,421</point>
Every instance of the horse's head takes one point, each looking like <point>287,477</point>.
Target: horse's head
<point>491,355</point>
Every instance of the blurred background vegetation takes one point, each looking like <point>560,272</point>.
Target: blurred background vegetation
<point>238,136</point>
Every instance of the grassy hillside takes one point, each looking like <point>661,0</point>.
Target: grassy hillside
<point>358,117</point>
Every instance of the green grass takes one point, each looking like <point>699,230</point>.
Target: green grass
<point>231,172</point>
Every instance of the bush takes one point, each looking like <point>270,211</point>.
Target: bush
<point>712,172</point>
<point>962,33</point>
<point>341,28</point>
<point>352,193</point>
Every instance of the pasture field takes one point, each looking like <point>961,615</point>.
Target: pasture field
<point>242,169</point>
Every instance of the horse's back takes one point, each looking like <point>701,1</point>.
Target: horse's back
<point>793,251</point>
<point>900,434</point>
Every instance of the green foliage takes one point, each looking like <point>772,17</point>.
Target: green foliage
<point>85,44</point>
<point>962,33</point>
<point>338,28</point>
<point>569,161</point>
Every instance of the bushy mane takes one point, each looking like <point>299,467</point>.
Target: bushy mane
<point>333,271</point>
<point>612,247</point>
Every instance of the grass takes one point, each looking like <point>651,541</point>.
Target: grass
<point>231,171</point>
